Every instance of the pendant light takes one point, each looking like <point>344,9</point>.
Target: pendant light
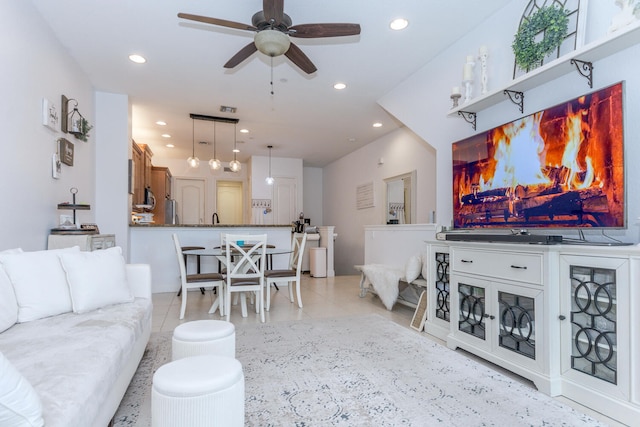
<point>235,164</point>
<point>269,177</point>
<point>214,163</point>
<point>193,161</point>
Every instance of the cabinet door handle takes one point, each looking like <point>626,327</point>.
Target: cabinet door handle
<point>466,261</point>
<point>562,317</point>
<point>520,267</point>
<point>488,316</point>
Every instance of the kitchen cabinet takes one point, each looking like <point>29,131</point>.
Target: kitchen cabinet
<point>141,156</point>
<point>137,157</point>
<point>161,187</point>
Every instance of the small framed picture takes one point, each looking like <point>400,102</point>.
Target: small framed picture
<point>65,150</point>
<point>50,115</point>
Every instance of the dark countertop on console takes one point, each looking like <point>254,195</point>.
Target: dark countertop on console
<point>209,225</point>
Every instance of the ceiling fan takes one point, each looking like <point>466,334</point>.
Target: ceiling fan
<point>273,29</point>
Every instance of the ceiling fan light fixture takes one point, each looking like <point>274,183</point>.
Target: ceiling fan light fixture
<point>272,42</point>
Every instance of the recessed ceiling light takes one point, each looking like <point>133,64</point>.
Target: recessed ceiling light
<point>161,123</point>
<point>235,150</point>
<point>377,125</point>
<point>339,86</point>
<point>166,135</point>
<point>351,139</point>
<point>170,146</point>
<point>138,59</point>
<point>399,24</point>
<point>244,130</point>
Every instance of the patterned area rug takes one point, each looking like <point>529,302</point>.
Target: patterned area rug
<point>360,371</point>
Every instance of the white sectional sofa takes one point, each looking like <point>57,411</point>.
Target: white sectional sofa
<point>73,328</point>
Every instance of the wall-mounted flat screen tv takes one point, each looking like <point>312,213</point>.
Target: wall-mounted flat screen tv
<point>558,168</point>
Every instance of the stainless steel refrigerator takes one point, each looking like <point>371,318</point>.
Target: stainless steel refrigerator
<point>171,212</point>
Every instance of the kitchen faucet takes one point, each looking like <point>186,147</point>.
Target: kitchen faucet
<point>215,219</point>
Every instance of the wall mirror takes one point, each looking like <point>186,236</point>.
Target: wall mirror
<point>400,203</point>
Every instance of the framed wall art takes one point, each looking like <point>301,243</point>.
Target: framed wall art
<point>65,150</point>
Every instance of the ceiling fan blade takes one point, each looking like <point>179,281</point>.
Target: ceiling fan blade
<point>324,30</point>
<point>244,53</point>
<point>298,57</point>
<point>216,21</point>
<point>273,9</point>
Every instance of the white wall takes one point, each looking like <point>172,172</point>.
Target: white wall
<point>312,195</point>
<point>402,152</point>
<point>422,101</point>
<point>35,65</point>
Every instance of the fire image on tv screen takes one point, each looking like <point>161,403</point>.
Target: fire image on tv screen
<point>562,167</point>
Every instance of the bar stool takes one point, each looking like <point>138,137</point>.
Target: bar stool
<point>192,248</point>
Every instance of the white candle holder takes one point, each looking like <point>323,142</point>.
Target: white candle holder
<point>455,97</point>
<point>468,90</point>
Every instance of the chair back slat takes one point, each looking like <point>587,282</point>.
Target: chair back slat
<point>298,243</point>
<point>247,260</point>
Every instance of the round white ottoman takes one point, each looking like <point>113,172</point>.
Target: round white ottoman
<point>199,337</point>
<point>198,391</point>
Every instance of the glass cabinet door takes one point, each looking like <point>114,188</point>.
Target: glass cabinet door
<point>594,322</point>
<point>517,323</point>
<point>442,286</point>
<point>472,310</point>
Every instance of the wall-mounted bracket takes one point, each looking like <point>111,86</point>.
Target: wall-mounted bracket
<point>585,69</point>
<point>468,117</point>
<point>516,97</point>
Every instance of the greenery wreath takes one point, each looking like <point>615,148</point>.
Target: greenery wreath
<point>551,20</point>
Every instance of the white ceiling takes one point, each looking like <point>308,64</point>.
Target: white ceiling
<point>305,117</point>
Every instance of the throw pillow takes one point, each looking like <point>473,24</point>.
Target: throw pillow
<point>19,403</point>
<point>8,303</point>
<point>425,266</point>
<point>96,279</point>
<point>39,283</point>
<point>412,268</point>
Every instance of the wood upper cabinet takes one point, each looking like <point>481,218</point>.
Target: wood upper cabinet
<point>138,175</point>
<point>161,187</point>
<point>141,155</point>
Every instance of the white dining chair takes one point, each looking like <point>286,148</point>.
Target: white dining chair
<point>290,275</point>
<point>197,281</point>
<point>245,258</point>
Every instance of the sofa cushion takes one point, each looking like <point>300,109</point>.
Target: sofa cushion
<point>74,360</point>
<point>412,268</point>
<point>39,282</point>
<point>8,303</point>
<point>96,279</point>
<point>19,403</point>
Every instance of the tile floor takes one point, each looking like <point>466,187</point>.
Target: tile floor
<point>322,298</point>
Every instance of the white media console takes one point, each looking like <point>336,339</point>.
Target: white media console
<point>567,317</point>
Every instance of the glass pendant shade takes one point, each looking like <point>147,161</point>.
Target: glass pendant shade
<point>193,162</point>
<point>269,178</point>
<point>215,164</point>
<point>235,165</point>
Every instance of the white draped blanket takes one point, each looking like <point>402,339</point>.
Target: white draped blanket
<point>384,279</point>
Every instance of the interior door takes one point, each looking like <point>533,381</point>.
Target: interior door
<point>229,202</point>
<point>190,197</point>
<point>285,207</point>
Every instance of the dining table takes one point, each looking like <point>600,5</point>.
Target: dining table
<point>221,254</point>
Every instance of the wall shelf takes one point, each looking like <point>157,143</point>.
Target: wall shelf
<point>602,48</point>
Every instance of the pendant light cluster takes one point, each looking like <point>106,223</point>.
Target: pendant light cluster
<point>215,164</point>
